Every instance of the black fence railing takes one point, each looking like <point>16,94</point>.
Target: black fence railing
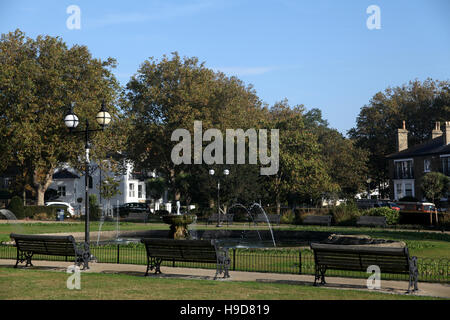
<point>276,260</point>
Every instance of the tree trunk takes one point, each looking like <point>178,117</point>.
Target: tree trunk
<point>278,205</point>
<point>41,184</point>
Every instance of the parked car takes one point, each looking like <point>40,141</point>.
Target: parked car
<point>70,209</point>
<point>390,205</point>
<point>375,203</point>
<point>127,208</point>
<point>417,207</point>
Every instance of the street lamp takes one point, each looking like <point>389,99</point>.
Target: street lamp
<point>71,121</point>
<point>226,172</point>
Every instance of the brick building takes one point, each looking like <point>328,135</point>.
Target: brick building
<point>408,165</point>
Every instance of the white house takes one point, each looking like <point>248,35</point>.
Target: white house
<point>70,186</point>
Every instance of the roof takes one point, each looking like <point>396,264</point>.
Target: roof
<point>65,174</point>
<point>430,147</point>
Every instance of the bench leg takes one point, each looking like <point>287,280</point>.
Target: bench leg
<point>24,256</point>
<point>320,275</point>
<point>153,263</point>
<point>413,274</point>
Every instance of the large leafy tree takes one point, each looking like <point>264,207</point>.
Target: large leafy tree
<point>302,167</point>
<point>420,104</point>
<point>39,78</point>
<point>171,94</point>
<point>346,162</point>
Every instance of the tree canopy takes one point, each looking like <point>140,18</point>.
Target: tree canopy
<point>420,104</point>
<point>39,78</point>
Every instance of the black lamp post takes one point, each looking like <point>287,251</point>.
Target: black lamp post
<point>226,172</point>
<point>71,121</point>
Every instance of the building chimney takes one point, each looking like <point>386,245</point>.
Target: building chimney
<point>446,133</point>
<point>437,131</point>
<point>402,138</point>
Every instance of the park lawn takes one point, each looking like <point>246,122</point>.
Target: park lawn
<point>423,244</point>
<point>65,227</point>
<point>19,284</point>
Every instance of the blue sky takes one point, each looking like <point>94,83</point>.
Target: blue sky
<point>317,53</point>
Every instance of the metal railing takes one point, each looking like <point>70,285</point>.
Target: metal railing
<point>277,260</point>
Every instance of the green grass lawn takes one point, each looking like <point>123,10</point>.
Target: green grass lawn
<point>37,284</point>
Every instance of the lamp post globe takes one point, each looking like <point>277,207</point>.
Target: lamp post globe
<point>103,117</point>
<point>71,119</point>
<point>211,172</point>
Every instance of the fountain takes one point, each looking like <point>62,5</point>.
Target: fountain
<point>179,224</point>
<point>8,214</point>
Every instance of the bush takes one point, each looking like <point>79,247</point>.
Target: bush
<point>44,212</point>
<point>16,207</point>
<point>162,212</point>
<point>94,209</point>
<point>288,217</point>
<point>300,213</point>
<point>345,214</point>
<point>392,216</point>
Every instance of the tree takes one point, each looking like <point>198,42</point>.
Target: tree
<point>302,170</point>
<point>171,94</point>
<point>38,80</point>
<point>109,187</point>
<point>434,186</point>
<point>346,162</point>
<point>420,104</point>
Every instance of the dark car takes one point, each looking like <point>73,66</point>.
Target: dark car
<point>127,208</point>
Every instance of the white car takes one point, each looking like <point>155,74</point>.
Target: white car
<point>70,209</point>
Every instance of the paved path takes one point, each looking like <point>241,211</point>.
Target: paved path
<point>397,287</point>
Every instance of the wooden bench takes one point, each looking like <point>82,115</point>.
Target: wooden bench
<point>318,220</point>
<point>372,221</point>
<point>228,218</point>
<point>273,218</point>
<point>359,258</point>
<point>204,251</point>
<point>29,245</point>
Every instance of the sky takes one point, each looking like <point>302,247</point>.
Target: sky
<point>323,54</point>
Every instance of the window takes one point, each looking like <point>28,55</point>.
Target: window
<point>131,192</point>
<point>399,190</point>
<point>404,169</point>
<point>427,165</point>
<point>408,190</point>
<point>61,191</point>
<point>445,161</point>
<point>140,191</point>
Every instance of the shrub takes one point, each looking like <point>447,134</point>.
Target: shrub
<point>162,212</point>
<point>392,216</point>
<point>288,217</point>
<point>94,209</point>
<point>345,214</point>
<point>16,207</point>
<point>43,212</point>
